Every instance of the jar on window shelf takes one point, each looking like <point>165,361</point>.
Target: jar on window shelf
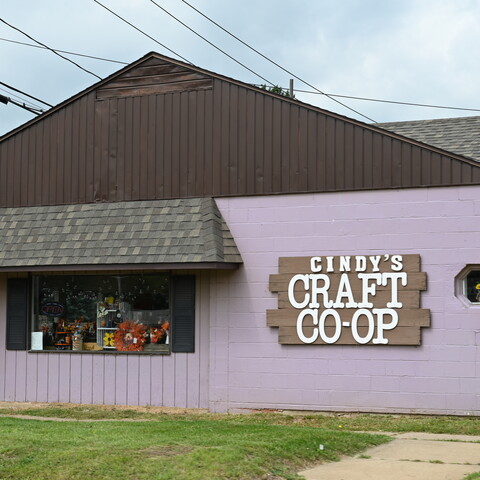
<point>77,342</point>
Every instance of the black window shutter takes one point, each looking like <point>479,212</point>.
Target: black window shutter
<point>183,313</point>
<point>17,313</point>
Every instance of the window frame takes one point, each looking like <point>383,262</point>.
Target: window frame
<point>183,290</point>
<point>461,285</point>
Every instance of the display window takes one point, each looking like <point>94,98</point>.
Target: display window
<point>109,313</point>
<point>471,286</point>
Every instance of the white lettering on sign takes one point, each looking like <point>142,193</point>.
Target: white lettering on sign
<point>316,264</point>
<point>321,304</point>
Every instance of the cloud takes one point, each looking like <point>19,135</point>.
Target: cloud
<point>414,50</point>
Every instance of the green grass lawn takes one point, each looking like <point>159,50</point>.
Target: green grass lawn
<point>334,421</point>
<point>137,445</point>
<point>168,447</point>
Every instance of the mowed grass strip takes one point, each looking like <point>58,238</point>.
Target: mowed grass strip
<point>333,421</point>
<point>172,447</point>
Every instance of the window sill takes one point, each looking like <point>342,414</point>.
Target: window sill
<point>101,352</point>
<point>466,302</point>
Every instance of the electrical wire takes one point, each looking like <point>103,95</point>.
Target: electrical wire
<point>257,85</point>
<point>210,43</point>
<point>64,51</point>
<point>317,92</point>
<point>143,33</point>
<point>6,100</point>
<point>51,49</point>
<point>26,94</point>
<point>390,101</point>
<point>275,63</point>
<point>26,102</point>
<point>26,107</point>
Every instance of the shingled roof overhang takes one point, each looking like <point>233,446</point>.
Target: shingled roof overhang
<point>459,135</point>
<point>154,235</point>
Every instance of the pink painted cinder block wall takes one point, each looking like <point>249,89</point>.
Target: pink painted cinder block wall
<point>253,371</point>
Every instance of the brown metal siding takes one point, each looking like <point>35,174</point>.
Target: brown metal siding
<point>154,76</point>
<point>226,140</point>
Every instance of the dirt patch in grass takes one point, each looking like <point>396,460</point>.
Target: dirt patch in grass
<point>136,408</point>
<point>341,421</point>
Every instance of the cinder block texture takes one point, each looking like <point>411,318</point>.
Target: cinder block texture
<point>439,376</point>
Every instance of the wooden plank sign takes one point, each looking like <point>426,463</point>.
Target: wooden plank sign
<point>349,300</point>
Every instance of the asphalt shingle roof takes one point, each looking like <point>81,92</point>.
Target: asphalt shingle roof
<point>154,232</point>
<point>456,135</point>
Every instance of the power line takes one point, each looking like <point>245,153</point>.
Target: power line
<point>390,101</point>
<point>64,51</point>
<point>219,26</point>
<point>19,98</point>
<point>26,94</point>
<point>275,63</point>
<point>30,104</point>
<point>209,42</point>
<point>26,107</point>
<point>51,49</point>
<point>6,100</point>
<point>143,33</point>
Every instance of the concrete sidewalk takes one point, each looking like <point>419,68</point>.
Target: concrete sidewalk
<point>419,456</point>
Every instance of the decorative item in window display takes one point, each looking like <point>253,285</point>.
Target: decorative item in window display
<point>47,329</point>
<point>77,341</point>
<point>78,329</point>
<point>63,340</point>
<point>159,334</point>
<point>108,340</point>
<point>82,309</point>
<point>89,332</point>
<point>470,281</point>
<point>130,336</point>
<point>102,311</point>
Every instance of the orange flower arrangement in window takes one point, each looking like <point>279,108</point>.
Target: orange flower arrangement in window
<point>130,336</point>
<point>157,333</point>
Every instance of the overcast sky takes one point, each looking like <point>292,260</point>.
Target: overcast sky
<point>421,51</point>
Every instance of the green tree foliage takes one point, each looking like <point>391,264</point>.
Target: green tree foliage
<point>277,90</point>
